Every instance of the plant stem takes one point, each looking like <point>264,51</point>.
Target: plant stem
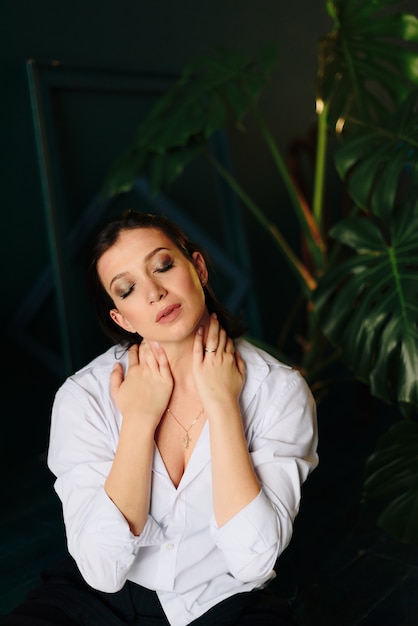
<point>319,177</point>
<point>308,225</point>
<point>305,279</point>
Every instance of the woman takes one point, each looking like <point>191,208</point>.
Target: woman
<point>179,453</point>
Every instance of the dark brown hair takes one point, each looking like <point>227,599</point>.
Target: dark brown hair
<point>107,236</point>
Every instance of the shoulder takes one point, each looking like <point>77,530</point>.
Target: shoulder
<point>276,402</point>
<point>95,375</point>
<point>259,360</point>
<point>265,373</point>
<point>83,403</point>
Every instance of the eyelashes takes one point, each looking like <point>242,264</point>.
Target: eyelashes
<point>125,294</point>
<point>158,270</point>
<point>167,266</point>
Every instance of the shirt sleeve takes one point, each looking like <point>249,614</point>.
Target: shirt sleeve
<point>282,446</point>
<point>80,455</point>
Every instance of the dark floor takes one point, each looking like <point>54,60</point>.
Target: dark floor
<point>339,570</point>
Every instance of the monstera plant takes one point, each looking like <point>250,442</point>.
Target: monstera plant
<point>358,273</point>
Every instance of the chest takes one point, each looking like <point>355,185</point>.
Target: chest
<point>176,442</point>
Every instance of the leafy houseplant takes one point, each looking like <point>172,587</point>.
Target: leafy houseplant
<point>358,275</point>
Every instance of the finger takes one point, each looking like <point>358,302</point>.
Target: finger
<point>133,355</point>
<point>145,353</point>
<point>155,348</point>
<point>116,379</point>
<point>222,340</point>
<point>212,338</point>
<point>230,348</point>
<point>198,343</point>
<point>162,360</point>
<point>240,363</point>
<point>158,351</point>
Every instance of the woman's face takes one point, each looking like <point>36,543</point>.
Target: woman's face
<point>157,292</point>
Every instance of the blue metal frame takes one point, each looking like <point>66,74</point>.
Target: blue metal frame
<point>65,242</point>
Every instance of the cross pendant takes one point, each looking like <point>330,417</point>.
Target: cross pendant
<point>186,440</point>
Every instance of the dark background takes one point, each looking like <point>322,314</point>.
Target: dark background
<point>101,65</point>
<point>97,45</point>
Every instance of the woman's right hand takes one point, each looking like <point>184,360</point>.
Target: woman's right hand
<point>146,388</point>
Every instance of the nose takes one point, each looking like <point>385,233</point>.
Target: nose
<point>155,293</point>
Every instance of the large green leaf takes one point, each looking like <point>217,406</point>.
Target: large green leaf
<point>392,478</point>
<point>368,303</point>
<point>381,164</point>
<point>179,125</point>
<point>368,63</point>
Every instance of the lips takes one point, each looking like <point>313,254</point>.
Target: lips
<point>167,313</point>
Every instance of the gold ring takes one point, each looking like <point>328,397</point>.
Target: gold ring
<point>207,350</point>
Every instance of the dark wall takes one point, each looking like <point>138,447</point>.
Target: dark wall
<point>157,37</point>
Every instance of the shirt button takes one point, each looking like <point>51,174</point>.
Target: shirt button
<point>170,546</point>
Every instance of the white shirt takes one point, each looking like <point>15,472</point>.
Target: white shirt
<point>181,553</point>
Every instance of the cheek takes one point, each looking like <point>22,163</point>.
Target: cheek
<point>199,294</point>
<point>195,289</point>
<point>195,282</point>
<point>132,311</point>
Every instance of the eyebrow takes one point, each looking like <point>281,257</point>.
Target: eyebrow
<point>147,258</point>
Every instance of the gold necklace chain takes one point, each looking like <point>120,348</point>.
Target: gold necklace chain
<point>186,439</point>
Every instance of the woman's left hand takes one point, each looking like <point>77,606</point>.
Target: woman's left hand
<point>218,368</point>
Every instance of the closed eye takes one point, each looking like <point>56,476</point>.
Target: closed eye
<point>167,266</point>
<point>126,293</point>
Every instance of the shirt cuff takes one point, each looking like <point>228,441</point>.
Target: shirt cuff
<point>250,540</point>
<point>110,517</point>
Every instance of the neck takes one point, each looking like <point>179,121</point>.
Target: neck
<point>180,356</point>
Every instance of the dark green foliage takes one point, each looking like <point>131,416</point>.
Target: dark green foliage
<point>359,281</point>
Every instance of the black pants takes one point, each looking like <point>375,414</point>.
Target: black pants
<point>64,599</point>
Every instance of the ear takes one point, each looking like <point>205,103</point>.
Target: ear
<point>121,321</point>
<point>201,268</point>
